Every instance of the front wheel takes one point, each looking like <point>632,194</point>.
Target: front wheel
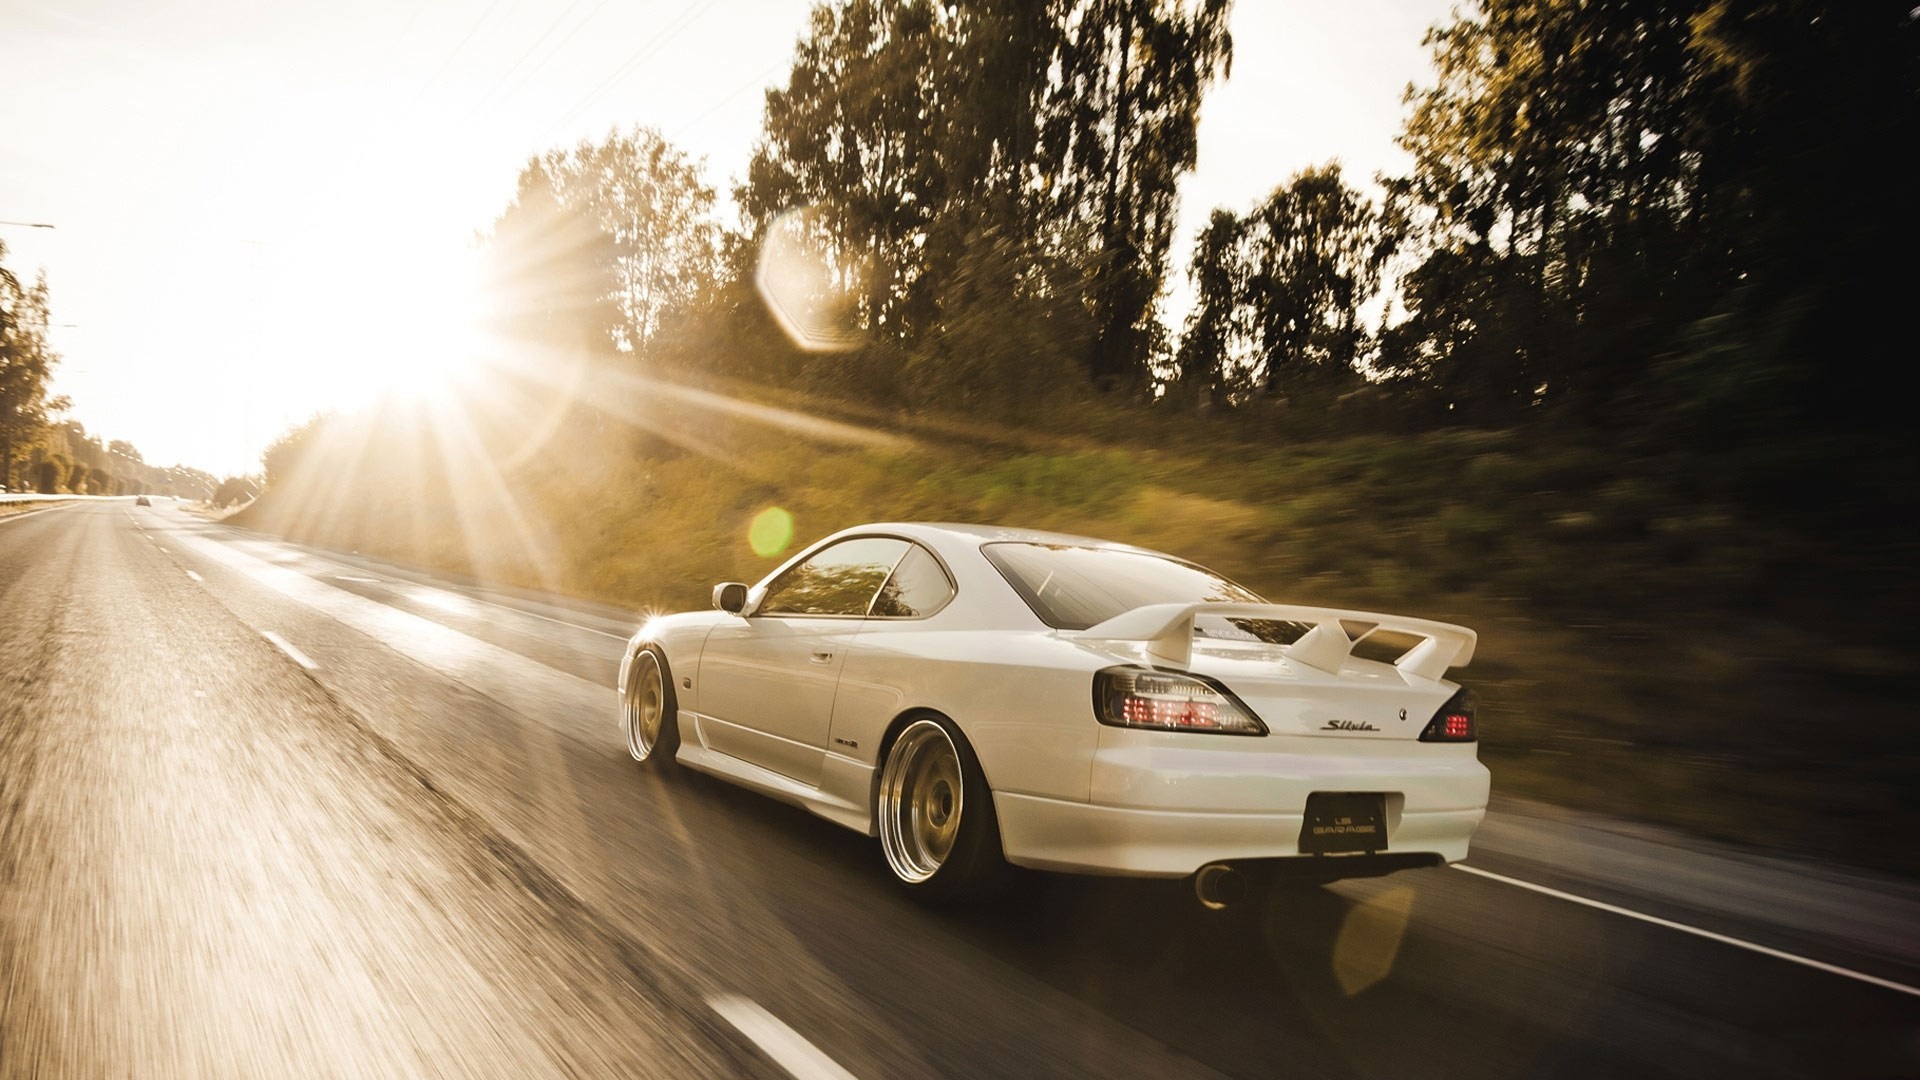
<point>937,825</point>
<point>648,712</point>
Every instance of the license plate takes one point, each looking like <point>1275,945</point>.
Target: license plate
<point>1340,822</point>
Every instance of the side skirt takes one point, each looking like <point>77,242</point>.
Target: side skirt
<point>843,775</point>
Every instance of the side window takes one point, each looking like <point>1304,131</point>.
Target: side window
<point>839,580</point>
<point>918,587</point>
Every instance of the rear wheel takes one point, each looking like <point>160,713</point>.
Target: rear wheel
<point>648,712</point>
<point>937,825</point>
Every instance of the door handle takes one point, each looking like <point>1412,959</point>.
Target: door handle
<point>821,656</point>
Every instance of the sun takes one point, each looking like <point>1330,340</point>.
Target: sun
<point>420,329</point>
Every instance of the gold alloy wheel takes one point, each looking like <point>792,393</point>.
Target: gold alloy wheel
<point>921,801</point>
<point>645,706</point>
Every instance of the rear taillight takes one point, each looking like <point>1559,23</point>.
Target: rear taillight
<point>1161,701</point>
<point>1454,722</point>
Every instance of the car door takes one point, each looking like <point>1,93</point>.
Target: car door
<point>767,681</point>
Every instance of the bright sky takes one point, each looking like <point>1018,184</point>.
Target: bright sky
<point>259,205</point>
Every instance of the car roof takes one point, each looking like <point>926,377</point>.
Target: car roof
<point>937,531</point>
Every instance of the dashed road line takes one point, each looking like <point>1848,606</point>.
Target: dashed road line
<point>549,618</point>
<point>1817,965</point>
<point>190,573</point>
<point>286,646</point>
<point>482,600</point>
<point>778,1041</point>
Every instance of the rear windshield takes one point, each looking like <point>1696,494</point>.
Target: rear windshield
<point>1072,588</point>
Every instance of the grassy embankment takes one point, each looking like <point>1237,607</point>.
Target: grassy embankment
<point>7,509</point>
<point>1646,650</point>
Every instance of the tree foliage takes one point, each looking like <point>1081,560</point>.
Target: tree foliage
<point>1279,295</point>
<point>552,271</point>
<point>232,490</point>
<point>1054,133</point>
<point>26,365</point>
<point>656,211</point>
<point>852,138</point>
<point>1118,128</point>
<point>282,460</point>
<point>1665,216</point>
<point>1593,180</point>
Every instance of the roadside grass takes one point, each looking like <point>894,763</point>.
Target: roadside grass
<point>8,509</point>
<point>1648,650</point>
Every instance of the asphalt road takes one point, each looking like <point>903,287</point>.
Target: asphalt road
<point>268,811</point>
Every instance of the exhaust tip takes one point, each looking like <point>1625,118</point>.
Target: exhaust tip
<point>1219,886</point>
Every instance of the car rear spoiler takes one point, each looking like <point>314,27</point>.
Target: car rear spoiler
<point>1167,630</point>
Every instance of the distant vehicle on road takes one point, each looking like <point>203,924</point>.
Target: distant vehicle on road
<point>142,500</point>
<point>976,696</point>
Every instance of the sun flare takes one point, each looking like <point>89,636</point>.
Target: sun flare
<point>421,337</point>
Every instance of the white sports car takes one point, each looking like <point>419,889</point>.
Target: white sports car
<point>976,694</point>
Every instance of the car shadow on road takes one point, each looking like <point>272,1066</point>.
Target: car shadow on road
<point>1301,979</point>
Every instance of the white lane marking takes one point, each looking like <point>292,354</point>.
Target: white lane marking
<point>489,603</point>
<point>286,646</point>
<point>778,1041</point>
<point>190,573</point>
<point>1817,965</point>
<point>156,544</point>
<point>523,611</point>
<point>538,615</point>
<point>551,619</point>
<point>526,686</point>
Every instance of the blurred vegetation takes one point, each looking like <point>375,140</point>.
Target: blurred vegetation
<point>26,366</point>
<point>40,451</point>
<point>1650,648</point>
<point>1606,374</point>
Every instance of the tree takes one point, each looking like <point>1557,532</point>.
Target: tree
<point>1557,164</point>
<point>852,138</point>
<point>553,273</point>
<point>1806,163</point>
<point>1216,328</point>
<point>1318,247</point>
<point>1117,128</point>
<point>912,130</point>
<point>651,202</point>
<point>1013,322</point>
<point>1595,184</point>
<point>283,459</point>
<point>26,365</point>
<point>1280,293</point>
<point>234,489</point>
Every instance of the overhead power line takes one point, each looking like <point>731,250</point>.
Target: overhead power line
<point>447,61</point>
<point>757,80</point>
<point>680,22</point>
<point>505,92</point>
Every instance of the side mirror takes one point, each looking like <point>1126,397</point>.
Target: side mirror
<point>730,596</point>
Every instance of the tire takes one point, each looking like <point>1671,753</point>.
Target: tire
<point>648,713</point>
<point>937,826</point>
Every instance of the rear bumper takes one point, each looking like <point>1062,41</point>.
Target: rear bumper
<point>1164,809</point>
<point>1049,834</point>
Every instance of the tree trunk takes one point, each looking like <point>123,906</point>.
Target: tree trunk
<point>1110,348</point>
